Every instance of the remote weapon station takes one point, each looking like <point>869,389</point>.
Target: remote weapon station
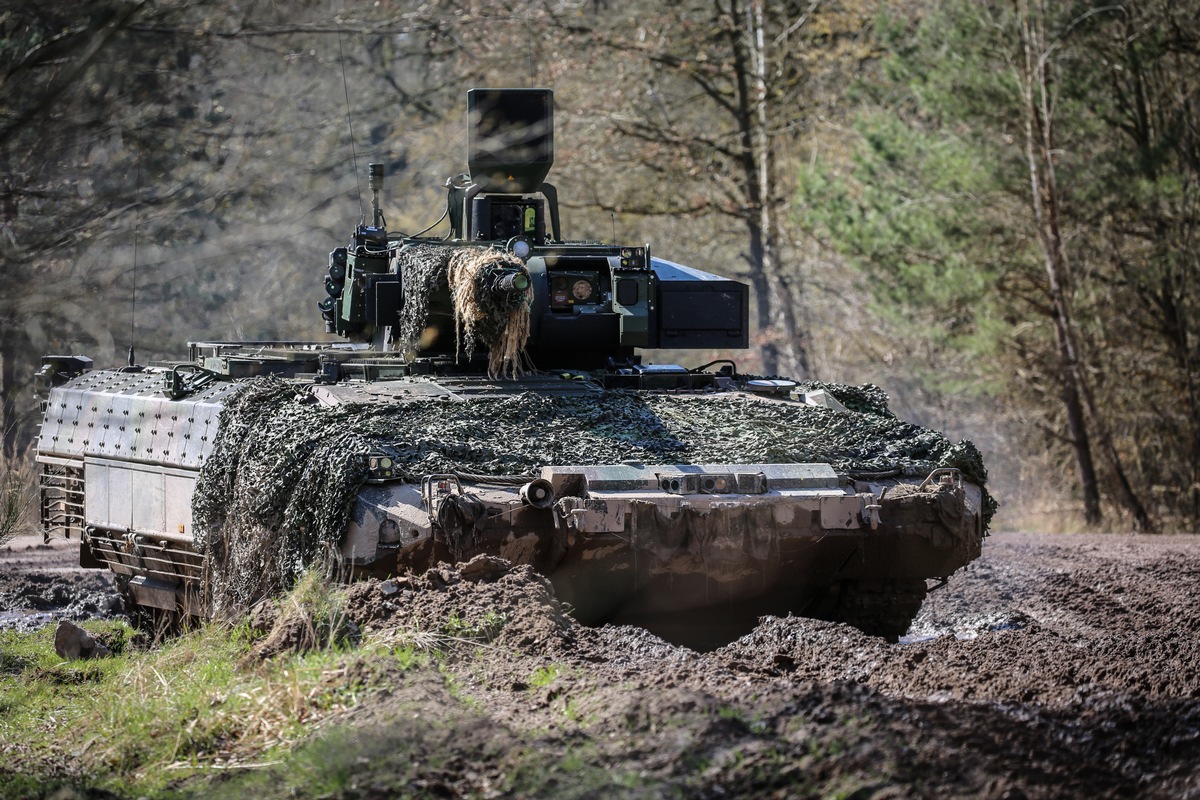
<point>486,397</point>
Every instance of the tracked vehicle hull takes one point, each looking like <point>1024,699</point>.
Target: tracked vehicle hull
<point>489,399</point>
<point>696,551</point>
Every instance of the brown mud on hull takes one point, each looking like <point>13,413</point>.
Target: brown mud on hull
<point>701,571</point>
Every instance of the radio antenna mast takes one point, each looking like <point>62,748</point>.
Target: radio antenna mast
<point>350,123</point>
<point>137,219</point>
<point>529,49</point>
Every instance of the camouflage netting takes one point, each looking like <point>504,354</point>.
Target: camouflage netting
<point>866,399</point>
<point>279,485</point>
<point>497,320</point>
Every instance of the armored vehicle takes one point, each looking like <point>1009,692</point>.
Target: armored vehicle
<point>485,395</point>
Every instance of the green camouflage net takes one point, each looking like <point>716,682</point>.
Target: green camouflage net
<point>278,488</point>
<point>867,399</point>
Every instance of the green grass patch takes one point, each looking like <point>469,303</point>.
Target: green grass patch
<point>141,720</point>
<point>544,676</point>
<point>485,630</point>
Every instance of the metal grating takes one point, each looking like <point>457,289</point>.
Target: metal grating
<point>61,490</point>
<point>137,554</point>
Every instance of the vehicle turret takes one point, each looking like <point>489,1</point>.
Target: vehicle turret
<point>591,303</point>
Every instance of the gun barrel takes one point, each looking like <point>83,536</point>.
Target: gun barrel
<point>511,282</point>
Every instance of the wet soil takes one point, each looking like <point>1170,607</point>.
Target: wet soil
<point>1055,666</point>
<point>42,583</point>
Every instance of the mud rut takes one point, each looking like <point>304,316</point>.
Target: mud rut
<point>1055,666</point>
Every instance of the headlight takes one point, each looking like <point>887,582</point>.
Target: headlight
<point>521,248</point>
<point>381,468</point>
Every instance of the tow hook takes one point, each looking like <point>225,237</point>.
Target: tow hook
<point>944,476</point>
<point>870,510</point>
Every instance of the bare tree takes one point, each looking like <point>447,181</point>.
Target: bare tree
<point>1035,79</point>
<point>719,94</point>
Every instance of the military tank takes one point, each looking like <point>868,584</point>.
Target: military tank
<point>485,396</point>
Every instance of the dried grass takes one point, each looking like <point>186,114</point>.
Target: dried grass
<point>419,641</point>
<point>497,320</point>
<point>479,317</point>
<point>17,492</point>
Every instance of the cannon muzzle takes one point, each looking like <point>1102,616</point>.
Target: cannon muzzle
<point>511,282</point>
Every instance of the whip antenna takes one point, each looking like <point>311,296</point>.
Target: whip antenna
<point>529,49</point>
<point>137,218</point>
<point>350,122</point>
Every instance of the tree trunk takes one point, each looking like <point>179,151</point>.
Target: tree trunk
<point>768,188</point>
<point>789,320</point>
<point>758,253</point>
<point>1044,199</point>
<point>768,349</point>
<point>8,391</point>
<point>775,319</point>
<point>1036,85</point>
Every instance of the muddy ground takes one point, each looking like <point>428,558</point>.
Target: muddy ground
<point>42,583</point>
<point>1055,666</point>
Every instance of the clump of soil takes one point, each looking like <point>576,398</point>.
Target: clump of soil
<point>485,599</point>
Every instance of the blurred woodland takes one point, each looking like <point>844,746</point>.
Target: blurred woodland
<point>991,210</point>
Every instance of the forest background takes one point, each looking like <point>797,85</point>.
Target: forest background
<point>989,209</point>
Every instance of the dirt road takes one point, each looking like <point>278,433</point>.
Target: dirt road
<point>1055,666</point>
